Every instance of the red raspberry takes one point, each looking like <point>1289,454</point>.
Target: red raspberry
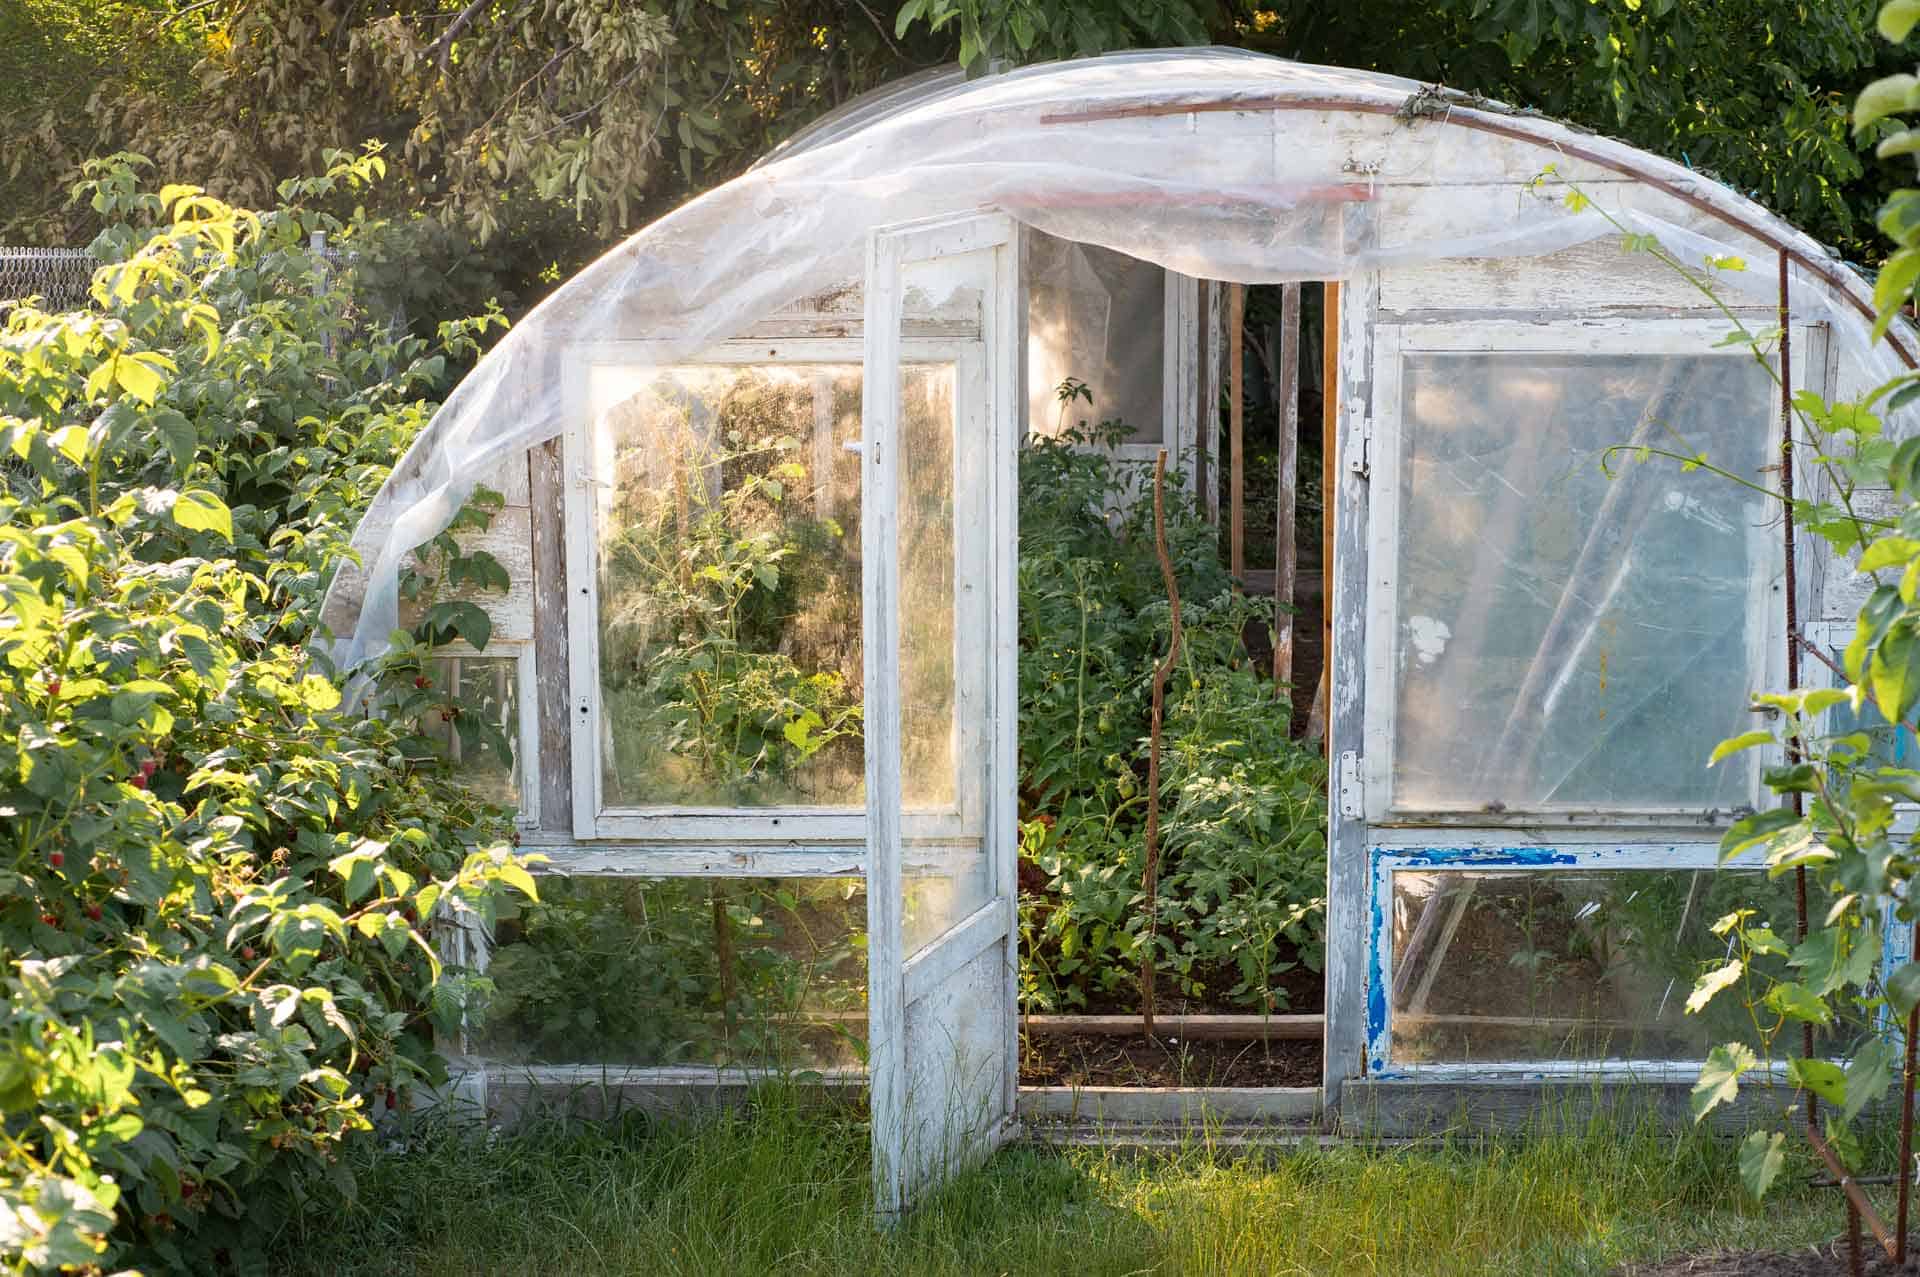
<point>422,681</point>
<point>149,767</point>
<point>94,912</point>
<point>246,953</point>
<point>56,858</point>
<point>53,687</point>
<point>50,919</point>
<point>138,780</point>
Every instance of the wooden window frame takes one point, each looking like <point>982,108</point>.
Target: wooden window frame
<point>663,826</point>
<point>526,735</point>
<point>1570,335</point>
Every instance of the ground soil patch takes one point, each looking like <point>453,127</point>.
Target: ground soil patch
<point>1086,1059</point>
<point>1827,1260</point>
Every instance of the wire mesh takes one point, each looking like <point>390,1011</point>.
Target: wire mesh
<point>58,276</point>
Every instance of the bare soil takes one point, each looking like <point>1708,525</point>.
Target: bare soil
<point>1829,1260</point>
<point>1087,1059</point>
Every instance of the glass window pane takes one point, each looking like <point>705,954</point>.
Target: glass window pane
<point>1098,316</point>
<point>944,549</point>
<point>479,729</point>
<point>729,582</point>
<point>1567,639</point>
<point>644,972</point>
<point>1571,965</point>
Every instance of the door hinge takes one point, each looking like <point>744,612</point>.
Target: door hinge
<point>1360,457</point>
<point>1352,805</point>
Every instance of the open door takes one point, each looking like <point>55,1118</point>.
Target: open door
<point>940,433</point>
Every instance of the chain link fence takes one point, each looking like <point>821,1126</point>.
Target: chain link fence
<point>58,276</point>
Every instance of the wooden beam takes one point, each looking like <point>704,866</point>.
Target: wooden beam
<point>1229,1028</point>
<point>1236,421</point>
<point>546,484</point>
<point>1284,550</point>
<point>1329,445</point>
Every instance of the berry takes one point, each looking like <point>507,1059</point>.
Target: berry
<point>246,953</point>
<point>138,781</point>
<point>50,919</point>
<point>94,912</point>
<point>422,682</point>
<point>53,687</point>
<point>393,1100</point>
<point>56,858</point>
<point>149,767</point>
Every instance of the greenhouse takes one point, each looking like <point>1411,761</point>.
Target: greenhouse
<point>752,479</point>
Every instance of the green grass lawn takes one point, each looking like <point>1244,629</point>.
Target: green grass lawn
<point>782,1190</point>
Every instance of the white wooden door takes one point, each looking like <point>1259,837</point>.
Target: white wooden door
<point>939,449</point>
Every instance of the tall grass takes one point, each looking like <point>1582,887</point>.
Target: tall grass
<point>783,1189</point>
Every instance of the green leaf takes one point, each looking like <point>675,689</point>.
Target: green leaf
<point>1710,984</point>
<point>1888,552</point>
<point>1903,987</point>
<point>1734,745</point>
<point>1869,1074</point>
<point>198,510</point>
<point>1720,1077</point>
<point>1762,1154</point>
<point>1822,1077</point>
<point>1894,673</point>
<point>1889,95</point>
<point>1796,1001</point>
<point>1897,18</point>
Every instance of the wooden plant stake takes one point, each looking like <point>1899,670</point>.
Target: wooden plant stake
<point>1151,878</point>
<point>1236,423</point>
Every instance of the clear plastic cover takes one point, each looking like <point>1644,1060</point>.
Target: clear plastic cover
<point>1324,174</point>
<point>1577,629</point>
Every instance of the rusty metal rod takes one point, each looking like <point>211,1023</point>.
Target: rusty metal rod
<point>1906,1119</point>
<point>1856,1196</point>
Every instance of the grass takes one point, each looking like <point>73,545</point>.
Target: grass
<point>785,1190</point>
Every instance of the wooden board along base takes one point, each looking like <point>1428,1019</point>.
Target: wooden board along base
<point>1229,1028</point>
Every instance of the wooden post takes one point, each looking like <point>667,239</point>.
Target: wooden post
<point>1284,551</point>
<point>1236,421</point>
<point>1329,445</point>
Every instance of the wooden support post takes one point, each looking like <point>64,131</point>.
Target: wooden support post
<point>1329,446</point>
<point>1284,551</point>
<point>1236,421</point>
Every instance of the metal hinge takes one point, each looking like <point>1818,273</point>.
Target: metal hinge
<point>1352,803</point>
<point>1360,461</point>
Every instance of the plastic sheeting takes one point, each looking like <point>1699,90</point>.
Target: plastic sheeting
<point>1325,173</point>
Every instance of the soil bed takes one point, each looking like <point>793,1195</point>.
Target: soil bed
<point>1827,1260</point>
<point>1085,1059</point>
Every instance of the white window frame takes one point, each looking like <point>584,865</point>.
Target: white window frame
<point>526,734</point>
<point>667,825</point>
<point>1572,335</point>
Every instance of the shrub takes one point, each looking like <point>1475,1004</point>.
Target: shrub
<point>1244,860</point>
<point>216,915</point>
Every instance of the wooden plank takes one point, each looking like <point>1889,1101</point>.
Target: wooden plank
<point>547,495</point>
<point>1329,447</point>
<point>1347,869</point>
<point>1284,552</point>
<point>1167,1105</point>
<point>1236,421</point>
<point>1226,1028</point>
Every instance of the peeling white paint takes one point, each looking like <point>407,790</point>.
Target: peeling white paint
<point>1429,637</point>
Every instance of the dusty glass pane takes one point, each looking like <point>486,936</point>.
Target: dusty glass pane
<point>943,626</point>
<point>479,730</point>
<point>628,971</point>
<point>729,582</point>
<point>1571,965</point>
<point>1567,639</point>
<point>1100,317</point>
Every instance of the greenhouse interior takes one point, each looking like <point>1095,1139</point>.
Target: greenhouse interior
<point>1150,554</point>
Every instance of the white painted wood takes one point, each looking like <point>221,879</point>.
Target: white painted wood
<point>940,961</point>
<point>1347,885</point>
<point>1557,334</point>
<point>1186,1105</point>
<point>941,1047</point>
<point>587,462</point>
<point>1600,274</point>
